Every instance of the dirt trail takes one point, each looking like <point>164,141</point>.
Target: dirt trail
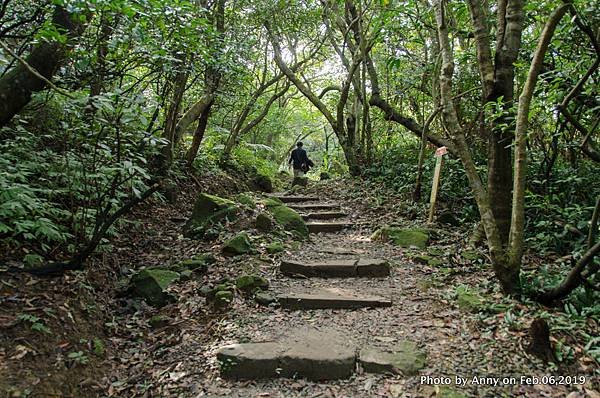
<point>181,360</point>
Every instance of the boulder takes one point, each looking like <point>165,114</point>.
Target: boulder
<point>263,183</point>
<point>208,210</point>
<point>251,283</point>
<point>264,222</point>
<point>403,237</point>
<point>405,358</point>
<point>289,219</point>
<point>273,202</point>
<point>223,298</point>
<point>264,298</point>
<point>151,283</point>
<point>238,245</point>
<point>219,296</point>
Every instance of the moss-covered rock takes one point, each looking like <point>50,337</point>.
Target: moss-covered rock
<point>275,247</point>
<point>251,283</point>
<point>289,220</point>
<point>158,321</point>
<point>238,245</point>
<point>263,183</point>
<point>264,222</point>
<point>223,298</point>
<point>273,202</point>
<point>219,296</point>
<point>246,199</point>
<point>151,283</point>
<point>403,237</point>
<point>208,210</point>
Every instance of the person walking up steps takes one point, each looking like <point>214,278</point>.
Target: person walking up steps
<point>300,161</point>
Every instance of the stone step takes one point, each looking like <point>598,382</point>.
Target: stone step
<point>311,354</point>
<point>330,298</point>
<point>316,227</point>
<point>328,215</point>
<point>315,206</point>
<point>337,268</point>
<point>295,199</point>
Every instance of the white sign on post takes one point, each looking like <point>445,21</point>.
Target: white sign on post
<point>439,154</point>
<point>441,151</point>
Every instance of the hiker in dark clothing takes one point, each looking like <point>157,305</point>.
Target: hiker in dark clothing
<point>300,161</point>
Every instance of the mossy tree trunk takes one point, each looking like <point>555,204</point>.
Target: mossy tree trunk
<point>18,85</point>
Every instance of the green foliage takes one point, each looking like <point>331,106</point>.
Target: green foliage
<point>78,357</point>
<point>62,172</point>
<point>36,324</point>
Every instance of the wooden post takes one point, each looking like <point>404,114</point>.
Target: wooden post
<point>439,154</point>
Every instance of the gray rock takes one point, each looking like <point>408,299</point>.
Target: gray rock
<point>337,268</point>
<point>264,298</point>
<point>310,354</point>
<point>330,298</point>
<point>405,358</point>
<point>316,206</point>
<point>327,215</point>
<point>295,198</point>
<point>316,227</point>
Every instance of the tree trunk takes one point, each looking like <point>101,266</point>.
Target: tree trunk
<point>176,98</point>
<point>509,279</point>
<point>198,135</point>
<point>17,86</point>
<point>212,81</point>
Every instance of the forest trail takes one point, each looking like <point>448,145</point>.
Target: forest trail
<point>342,327</point>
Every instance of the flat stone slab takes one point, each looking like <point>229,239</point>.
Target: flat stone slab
<point>295,199</point>
<point>337,268</point>
<point>314,355</point>
<point>316,227</point>
<point>330,298</point>
<point>403,358</point>
<point>329,215</point>
<point>314,206</point>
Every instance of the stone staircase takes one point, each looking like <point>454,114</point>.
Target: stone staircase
<point>318,354</point>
